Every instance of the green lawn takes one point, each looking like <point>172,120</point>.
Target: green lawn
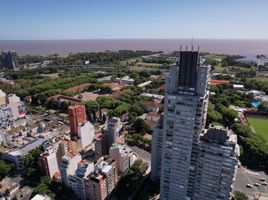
<point>260,79</point>
<point>142,64</point>
<point>260,124</point>
<point>218,69</point>
<point>231,69</point>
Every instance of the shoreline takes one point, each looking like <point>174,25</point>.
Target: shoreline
<point>243,47</point>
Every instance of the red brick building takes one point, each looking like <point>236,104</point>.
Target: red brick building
<point>77,116</point>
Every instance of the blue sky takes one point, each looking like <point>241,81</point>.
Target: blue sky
<point>98,19</point>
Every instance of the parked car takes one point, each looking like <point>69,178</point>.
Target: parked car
<point>249,186</point>
<point>264,183</point>
<point>262,179</point>
<point>257,184</point>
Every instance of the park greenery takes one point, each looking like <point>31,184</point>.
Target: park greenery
<point>218,113</point>
<point>139,126</point>
<point>106,57</point>
<point>55,190</point>
<point>136,139</point>
<point>40,83</point>
<point>30,162</point>
<point>41,92</point>
<point>254,148</point>
<point>239,196</point>
<point>126,103</point>
<point>57,105</point>
<point>259,124</point>
<point>6,169</point>
<point>260,83</point>
<point>99,88</point>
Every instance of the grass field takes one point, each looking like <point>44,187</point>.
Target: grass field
<point>214,56</point>
<point>139,64</point>
<point>260,79</point>
<point>260,124</point>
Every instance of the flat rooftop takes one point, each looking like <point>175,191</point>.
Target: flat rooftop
<point>28,147</point>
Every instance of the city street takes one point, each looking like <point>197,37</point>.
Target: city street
<point>245,176</point>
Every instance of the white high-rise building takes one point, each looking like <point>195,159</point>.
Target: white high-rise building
<point>5,138</point>
<point>186,99</point>
<point>74,171</point>
<point>86,134</point>
<point>78,185</point>
<point>68,166</point>
<point>48,161</point>
<point>13,98</point>
<point>124,157</point>
<point>114,127</point>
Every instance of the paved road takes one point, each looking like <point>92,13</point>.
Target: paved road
<point>144,155</point>
<point>245,176</point>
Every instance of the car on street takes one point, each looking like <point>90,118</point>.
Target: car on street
<point>257,184</point>
<point>262,179</point>
<point>249,186</point>
<point>264,183</point>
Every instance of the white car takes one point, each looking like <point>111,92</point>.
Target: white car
<point>262,179</point>
<point>249,186</point>
<point>257,184</point>
<point>264,183</point>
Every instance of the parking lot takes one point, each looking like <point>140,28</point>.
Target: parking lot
<point>245,176</point>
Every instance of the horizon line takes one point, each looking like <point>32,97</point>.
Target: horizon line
<point>133,39</point>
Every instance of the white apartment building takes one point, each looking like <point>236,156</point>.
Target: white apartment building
<point>114,128</point>
<point>74,170</point>
<point>10,111</point>
<point>77,181</point>
<point>5,138</point>
<point>6,117</point>
<point>68,166</point>
<point>13,98</point>
<point>86,134</point>
<point>124,157</point>
<point>49,162</point>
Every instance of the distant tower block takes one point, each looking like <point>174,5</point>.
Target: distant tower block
<point>77,116</point>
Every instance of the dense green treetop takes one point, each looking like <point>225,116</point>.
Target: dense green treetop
<point>239,196</point>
